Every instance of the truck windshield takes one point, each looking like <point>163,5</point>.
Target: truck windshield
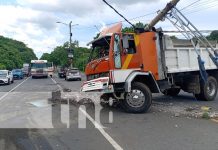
<point>38,65</point>
<point>100,49</point>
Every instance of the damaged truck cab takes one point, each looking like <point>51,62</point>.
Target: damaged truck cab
<point>130,67</point>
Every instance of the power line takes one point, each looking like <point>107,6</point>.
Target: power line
<point>191,12</point>
<point>189,5</point>
<point>202,6</point>
<point>198,4</point>
<point>132,19</point>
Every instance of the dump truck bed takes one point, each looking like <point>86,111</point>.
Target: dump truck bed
<point>180,56</point>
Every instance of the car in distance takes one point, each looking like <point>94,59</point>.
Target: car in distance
<point>73,74</point>
<point>18,74</point>
<point>26,69</point>
<point>62,72</point>
<point>6,77</point>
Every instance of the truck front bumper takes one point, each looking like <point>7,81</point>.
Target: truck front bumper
<point>39,74</point>
<point>98,85</point>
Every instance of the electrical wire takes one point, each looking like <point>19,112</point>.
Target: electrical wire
<point>200,6</point>
<point>196,6</point>
<point>189,5</point>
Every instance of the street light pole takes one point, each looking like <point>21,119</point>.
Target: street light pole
<point>70,50</point>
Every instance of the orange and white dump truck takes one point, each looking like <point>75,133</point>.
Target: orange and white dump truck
<point>130,67</point>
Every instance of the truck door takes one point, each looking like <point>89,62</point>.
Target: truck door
<point>117,51</point>
<point>130,56</point>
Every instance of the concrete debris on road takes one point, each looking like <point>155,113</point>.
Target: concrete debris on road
<point>182,110</point>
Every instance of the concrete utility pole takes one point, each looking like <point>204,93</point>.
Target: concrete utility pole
<point>70,50</point>
<point>161,14</point>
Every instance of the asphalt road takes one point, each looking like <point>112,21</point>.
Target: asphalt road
<point>27,121</point>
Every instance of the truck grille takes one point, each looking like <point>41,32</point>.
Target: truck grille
<point>39,71</point>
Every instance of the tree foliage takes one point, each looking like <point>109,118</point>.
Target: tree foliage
<point>14,53</point>
<point>59,56</point>
<point>213,35</point>
<point>131,29</point>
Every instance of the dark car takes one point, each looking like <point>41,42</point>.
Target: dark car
<point>18,74</point>
<point>62,73</point>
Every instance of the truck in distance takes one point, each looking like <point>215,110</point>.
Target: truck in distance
<point>39,68</point>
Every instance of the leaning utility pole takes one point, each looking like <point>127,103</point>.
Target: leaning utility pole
<point>161,14</point>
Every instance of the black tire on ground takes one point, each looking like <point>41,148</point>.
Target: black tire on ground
<point>208,90</point>
<point>104,100</point>
<point>171,92</point>
<point>12,81</point>
<point>138,100</point>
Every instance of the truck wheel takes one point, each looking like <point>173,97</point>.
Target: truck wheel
<point>104,100</point>
<point>208,90</point>
<point>138,100</point>
<point>171,92</point>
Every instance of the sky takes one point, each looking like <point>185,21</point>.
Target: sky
<point>34,22</point>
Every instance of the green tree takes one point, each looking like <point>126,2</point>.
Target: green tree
<point>14,53</point>
<point>2,66</point>
<point>131,29</point>
<point>173,37</point>
<point>213,35</point>
<point>46,56</point>
<point>59,56</point>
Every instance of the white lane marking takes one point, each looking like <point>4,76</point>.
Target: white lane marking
<point>6,94</point>
<point>57,84</point>
<point>103,132</point>
<point>98,126</point>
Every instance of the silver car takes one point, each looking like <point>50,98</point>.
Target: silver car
<point>73,74</point>
<point>6,77</point>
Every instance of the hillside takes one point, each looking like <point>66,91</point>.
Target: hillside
<point>14,53</point>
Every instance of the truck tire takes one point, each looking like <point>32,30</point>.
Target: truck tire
<point>208,90</point>
<point>138,100</point>
<point>171,92</point>
<point>104,100</point>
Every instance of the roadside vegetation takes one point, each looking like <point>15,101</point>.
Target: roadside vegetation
<point>60,58</point>
<point>14,53</point>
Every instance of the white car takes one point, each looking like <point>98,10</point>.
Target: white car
<point>73,74</point>
<point>6,77</point>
